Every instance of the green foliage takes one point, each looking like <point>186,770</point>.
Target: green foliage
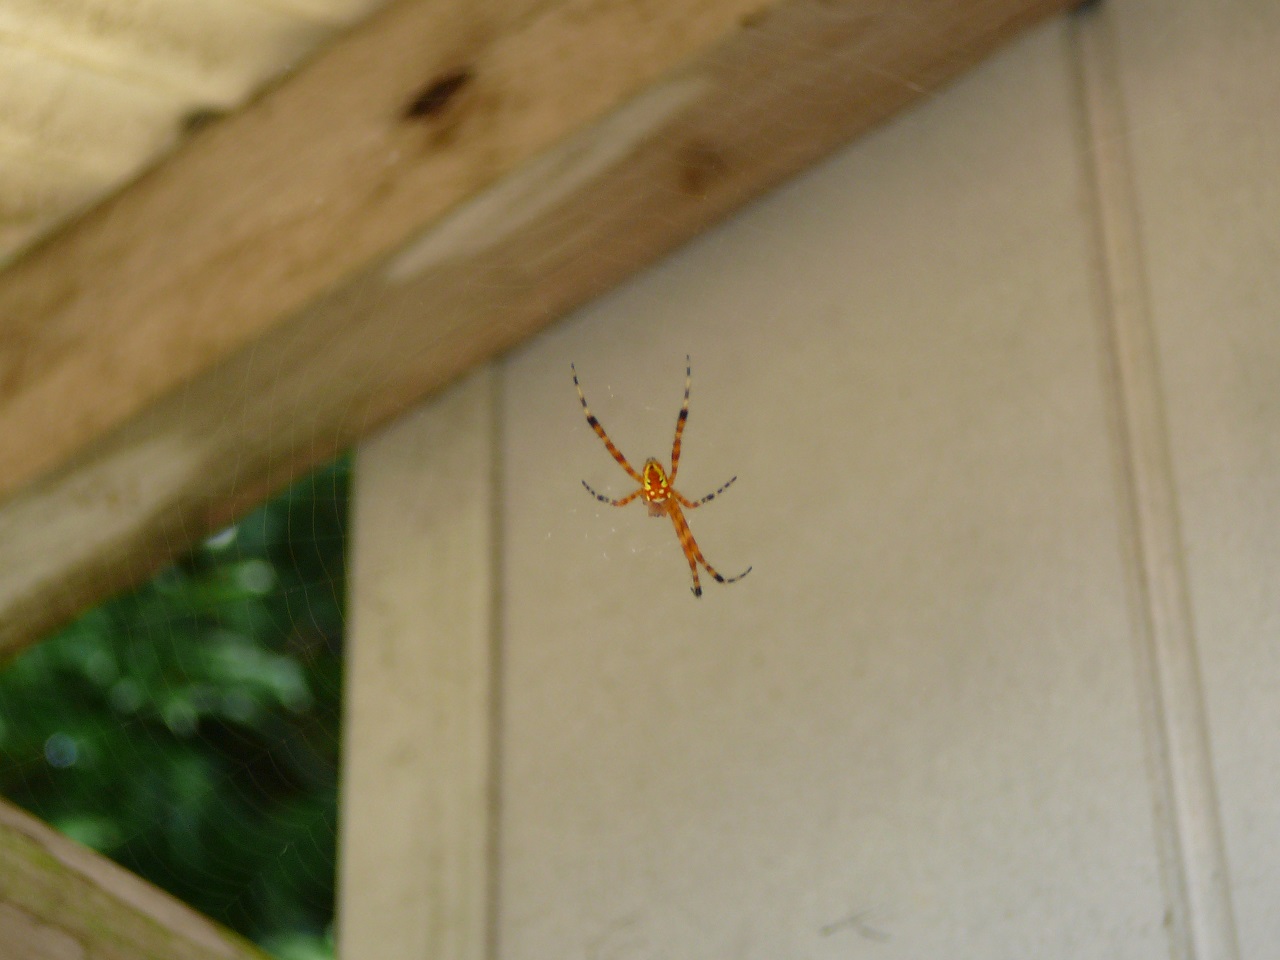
<point>189,730</point>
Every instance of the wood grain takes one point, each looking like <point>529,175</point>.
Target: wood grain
<point>357,240</point>
<point>59,899</point>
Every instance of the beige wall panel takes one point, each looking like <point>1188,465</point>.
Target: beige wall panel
<point>912,731</point>
<point>416,818</point>
<point>1202,87</point>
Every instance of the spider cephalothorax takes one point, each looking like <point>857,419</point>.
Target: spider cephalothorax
<point>656,488</point>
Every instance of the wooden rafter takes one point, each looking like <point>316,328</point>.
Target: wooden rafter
<point>433,189</point>
<point>59,899</point>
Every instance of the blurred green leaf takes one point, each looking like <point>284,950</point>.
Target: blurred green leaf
<point>189,729</point>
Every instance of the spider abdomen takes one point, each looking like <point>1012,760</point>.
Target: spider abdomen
<point>654,485</point>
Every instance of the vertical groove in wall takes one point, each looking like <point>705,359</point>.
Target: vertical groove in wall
<point>1193,861</point>
<point>497,628</point>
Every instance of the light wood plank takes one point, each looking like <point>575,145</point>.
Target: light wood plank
<point>311,267</point>
<point>417,747</point>
<point>94,92</point>
<point>59,900</point>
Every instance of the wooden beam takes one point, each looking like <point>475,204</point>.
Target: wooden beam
<point>59,899</point>
<point>429,192</point>
<point>417,830</point>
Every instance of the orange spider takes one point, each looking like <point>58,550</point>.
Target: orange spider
<point>656,486</point>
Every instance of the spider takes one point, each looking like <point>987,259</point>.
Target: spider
<point>656,487</point>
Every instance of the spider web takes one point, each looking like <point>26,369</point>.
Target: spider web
<point>189,729</point>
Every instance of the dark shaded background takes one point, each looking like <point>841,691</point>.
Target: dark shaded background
<point>189,729</point>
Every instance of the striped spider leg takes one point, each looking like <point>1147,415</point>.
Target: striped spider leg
<point>656,487</point>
